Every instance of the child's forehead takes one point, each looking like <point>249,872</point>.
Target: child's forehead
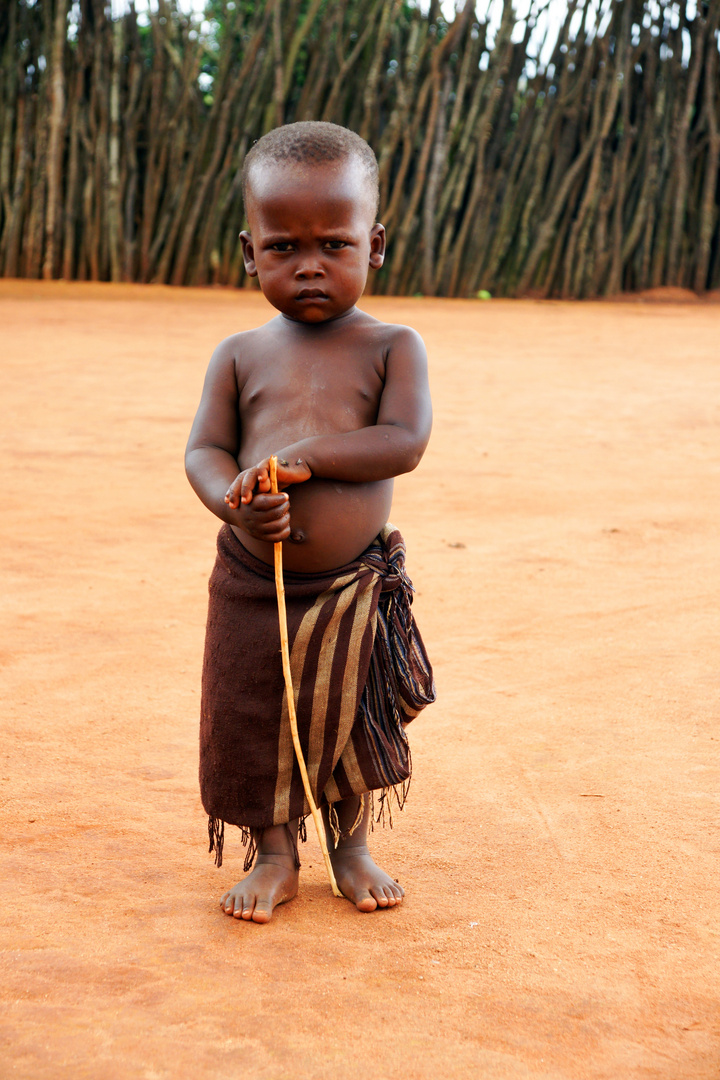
<point>328,181</point>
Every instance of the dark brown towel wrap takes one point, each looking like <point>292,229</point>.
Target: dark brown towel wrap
<point>360,673</point>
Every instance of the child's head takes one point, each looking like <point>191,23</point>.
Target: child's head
<point>311,195</point>
<point>312,144</point>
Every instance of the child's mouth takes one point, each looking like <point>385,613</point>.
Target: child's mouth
<point>311,294</point>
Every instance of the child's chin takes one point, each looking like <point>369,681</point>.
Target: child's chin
<point>311,313</point>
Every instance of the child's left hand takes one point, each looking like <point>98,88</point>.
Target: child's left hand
<point>258,477</point>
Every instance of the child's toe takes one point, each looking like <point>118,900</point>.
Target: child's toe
<point>229,902</point>
<point>365,901</point>
<point>263,912</point>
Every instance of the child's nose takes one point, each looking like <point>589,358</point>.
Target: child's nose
<point>310,267</point>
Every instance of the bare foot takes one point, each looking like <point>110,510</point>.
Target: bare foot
<point>272,881</point>
<point>362,881</point>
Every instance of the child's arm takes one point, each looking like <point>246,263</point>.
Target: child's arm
<point>393,445</point>
<point>210,457</point>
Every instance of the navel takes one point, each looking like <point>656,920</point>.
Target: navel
<point>297,536</point>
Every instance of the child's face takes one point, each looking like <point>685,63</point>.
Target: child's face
<point>312,237</point>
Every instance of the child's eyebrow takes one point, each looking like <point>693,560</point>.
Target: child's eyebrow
<point>341,233</point>
<point>276,238</point>
<point>323,237</point>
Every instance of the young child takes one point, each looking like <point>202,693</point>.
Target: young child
<point>343,401</point>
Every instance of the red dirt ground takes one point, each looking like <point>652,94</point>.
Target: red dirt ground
<point>559,847</point>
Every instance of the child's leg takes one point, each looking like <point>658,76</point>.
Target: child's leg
<point>359,878</point>
<point>273,880</point>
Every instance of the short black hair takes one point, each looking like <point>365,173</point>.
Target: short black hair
<point>312,142</point>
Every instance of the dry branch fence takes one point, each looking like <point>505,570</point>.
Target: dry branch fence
<point>121,144</point>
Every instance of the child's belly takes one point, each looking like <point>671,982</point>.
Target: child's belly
<point>331,522</point>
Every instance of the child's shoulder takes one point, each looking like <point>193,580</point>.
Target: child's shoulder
<point>392,335</point>
<point>234,344</point>
<point>237,350</point>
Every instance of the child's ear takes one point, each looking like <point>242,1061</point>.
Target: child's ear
<point>248,254</point>
<point>377,246</point>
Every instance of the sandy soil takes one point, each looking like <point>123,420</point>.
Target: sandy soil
<point>559,848</point>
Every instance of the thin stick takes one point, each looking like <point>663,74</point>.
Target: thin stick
<point>285,649</point>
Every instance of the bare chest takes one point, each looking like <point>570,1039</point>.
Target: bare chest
<point>322,391</point>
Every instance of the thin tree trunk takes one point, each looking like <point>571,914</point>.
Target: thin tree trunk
<point>679,143</point>
<point>431,192</point>
<point>279,85</point>
<point>56,124</point>
<point>708,207</point>
<point>113,195</point>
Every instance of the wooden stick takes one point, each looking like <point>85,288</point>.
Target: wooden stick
<point>285,650</point>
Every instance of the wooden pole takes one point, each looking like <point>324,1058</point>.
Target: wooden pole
<point>285,650</point>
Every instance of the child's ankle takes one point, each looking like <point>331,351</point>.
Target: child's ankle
<point>279,841</point>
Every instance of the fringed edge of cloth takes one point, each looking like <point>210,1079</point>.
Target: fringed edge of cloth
<point>381,813</point>
<point>216,833</point>
<point>337,833</point>
<point>249,839</point>
<point>383,803</point>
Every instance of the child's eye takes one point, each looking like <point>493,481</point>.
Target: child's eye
<point>335,245</point>
<point>281,245</point>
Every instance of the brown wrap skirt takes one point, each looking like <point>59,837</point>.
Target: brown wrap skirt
<point>360,674</point>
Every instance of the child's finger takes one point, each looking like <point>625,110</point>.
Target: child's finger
<point>249,479</point>
<point>276,531</point>
<point>271,506</point>
<point>271,517</point>
<point>232,495</point>
<point>263,478</point>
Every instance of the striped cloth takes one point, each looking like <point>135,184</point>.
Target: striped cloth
<point>360,674</point>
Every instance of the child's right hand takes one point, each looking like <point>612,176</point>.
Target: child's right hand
<point>266,517</point>
<point>262,514</point>
<point>242,489</point>
<point>249,482</point>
